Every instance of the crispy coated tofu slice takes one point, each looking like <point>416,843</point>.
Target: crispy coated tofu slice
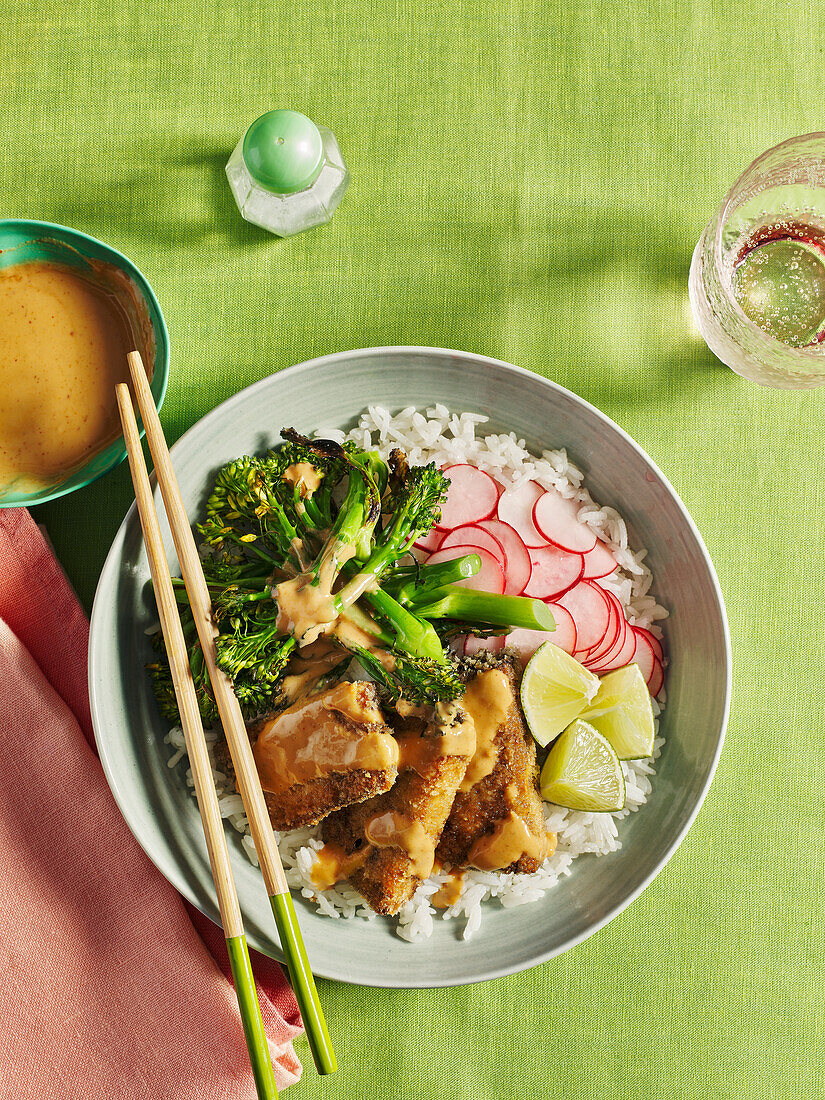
<point>496,821</point>
<point>387,844</point>
<point>326,751</point>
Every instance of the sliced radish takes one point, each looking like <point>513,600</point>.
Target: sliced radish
<point>472,496</point>
<point>429,542</point>
<point>515,506</point>
<point>554,571</point>
<point>519,566</point>
<point>564,636</point>
<point>526,642</point>
<point>558,520</point>
<point>643,656</point>
<point>472,644</point>
<point>620,657</point>
<point>473,535</point>
<point>490,578</point>
<point>598,562</point>
<point>611,635</point>
<point>603,653</point>
<point>657,678</point>
<point>655,644</point>
<point>591,613</point>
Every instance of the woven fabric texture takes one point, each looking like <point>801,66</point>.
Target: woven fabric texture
<point>528,182</point>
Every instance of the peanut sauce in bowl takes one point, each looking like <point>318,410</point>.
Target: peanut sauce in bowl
<point>71,309</point>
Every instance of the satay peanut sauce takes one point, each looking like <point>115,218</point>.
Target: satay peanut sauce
<point>509,841</point>
<point>64,337</point>
<point>340,730</point>
<point>487,700</point>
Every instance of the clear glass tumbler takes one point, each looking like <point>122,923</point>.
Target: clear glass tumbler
<point>761,259</point>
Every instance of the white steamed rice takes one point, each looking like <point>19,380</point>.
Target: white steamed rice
<point>443,437</point>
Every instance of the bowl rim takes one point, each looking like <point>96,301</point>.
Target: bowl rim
<point>170,870</point>
<point>162,347</point>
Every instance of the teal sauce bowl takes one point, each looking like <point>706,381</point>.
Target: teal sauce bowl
<point>24,241</point>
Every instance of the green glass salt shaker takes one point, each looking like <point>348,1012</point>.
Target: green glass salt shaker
<point>286,173</point>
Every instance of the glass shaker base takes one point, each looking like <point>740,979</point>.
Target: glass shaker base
<point>286,215</point>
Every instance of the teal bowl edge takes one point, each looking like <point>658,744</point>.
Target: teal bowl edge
<point>16,232</point>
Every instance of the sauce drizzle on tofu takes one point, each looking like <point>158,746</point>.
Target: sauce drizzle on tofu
<point>305,741</point>
<point>332,864</point>
<point>419,748</point>
<point>487,700</point>
<point>509,841</point>
<point>396,830</point>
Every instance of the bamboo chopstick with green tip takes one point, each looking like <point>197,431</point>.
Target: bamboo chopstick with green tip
<point>198,758</point>
<point>232,721</point>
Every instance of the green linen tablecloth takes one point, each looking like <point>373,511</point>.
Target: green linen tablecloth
<point>528,181</point>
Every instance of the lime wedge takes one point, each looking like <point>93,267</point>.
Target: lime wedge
<point>582,772</point>
<point>621,712</point>
<point>555,689</point>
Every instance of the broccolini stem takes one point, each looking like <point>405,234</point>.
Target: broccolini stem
<point>364,621</point>
<point>367,577</point>
<point>359,511</point>
<point>455,602</point>
<point>425,578</point>
<point>411,634</point>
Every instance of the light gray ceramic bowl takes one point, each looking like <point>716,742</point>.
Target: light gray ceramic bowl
<point>330,392</point>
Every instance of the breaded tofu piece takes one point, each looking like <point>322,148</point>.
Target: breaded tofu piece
<point>496,821</point>
<point>397,832</point>
<point>329,750</point>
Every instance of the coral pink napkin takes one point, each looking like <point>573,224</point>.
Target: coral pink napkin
<point>106,987</point>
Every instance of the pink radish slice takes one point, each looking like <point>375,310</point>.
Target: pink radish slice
<point>611,635</point>
<point>591,613</point>
<point>472,644</point>
<point>614,628</point>
<point>515,507</point>
<point>490,577</point>
<point>657,678</point>
<point>472,495</point>
<point>607,660</point>
<point>519,567</point>
<point>557,519</point>
<point>643,656</point>
<point>603,654</point>
<point>620,657</point>
<point>598,562</point>
<point>429,542</point>
<point>526,642</point>
<point>655,644</point>
<point>564,636</point>
<point>471,535</point>
<point>554,571</point>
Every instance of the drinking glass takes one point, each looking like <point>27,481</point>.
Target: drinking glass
<point>757,278</point>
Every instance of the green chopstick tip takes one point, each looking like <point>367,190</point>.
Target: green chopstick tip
<point>253,1025</point>
<point>303,983</point>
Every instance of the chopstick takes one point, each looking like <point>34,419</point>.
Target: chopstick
<point>205,792</point>
<point>249,784</point>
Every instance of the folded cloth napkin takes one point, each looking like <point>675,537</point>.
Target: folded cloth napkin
<point>107,989</point>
